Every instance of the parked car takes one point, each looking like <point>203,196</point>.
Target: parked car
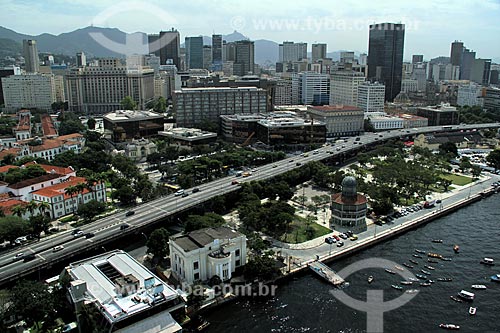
<point>340,244</point>
<point>329,240</point>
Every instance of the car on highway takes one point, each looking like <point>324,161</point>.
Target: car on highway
<point>58,248</point>
<point>235,182</point>
<point>18,256</point>
<point>29,257</point>
<point>130,213</point>
<point>185,194</point>
<point>179,193</point>
<point>89,235</point>
<point>124,226</point>
<point>78,234</point>
<point>275,166</point>
<point>298,164</point>
<point>195,190</point>
<point>20,240</point>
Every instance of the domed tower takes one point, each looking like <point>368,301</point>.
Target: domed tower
<point>349,188</point>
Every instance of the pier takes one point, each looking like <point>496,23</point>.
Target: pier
<point>326,273</point>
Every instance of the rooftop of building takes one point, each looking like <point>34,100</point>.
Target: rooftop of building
<point>444,107</point>
<point>6,205</point>
<point>24,123</point>
<point>120,285</point>
<point>333,108</point>
<point>131,115</point>
<point>53,169</point>
<point>9,151</point>
<point>36,180</point>
<point>217,89</point>
<point>339,199</point>
<point>454,137</point>
<point>48,127</point>
<point>407,116</point>
<point>243,117</point>
<point>288,121</point>
<point>200,238</point>
<point>187,133</point>
<point>6,168</point>
<point>60,188</point>
<point>380,116</point>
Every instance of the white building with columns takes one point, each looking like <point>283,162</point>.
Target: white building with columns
<point>202,254</point>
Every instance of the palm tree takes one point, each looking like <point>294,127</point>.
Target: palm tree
<point>18,210</point>
<point>90,184</point>
<point>43,206</point>
<point>32,207</point>
<point>71,191</point>
<point>80,187</point>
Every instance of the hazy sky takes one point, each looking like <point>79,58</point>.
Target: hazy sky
<point>431,25</point>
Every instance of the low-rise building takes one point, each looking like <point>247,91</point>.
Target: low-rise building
<point>349,207</point>
<point>492,99</point>
<point>461,139</point>
<point>443,114</point>
<point>203,254</point>
<point>284,128</point>
<point>125,294</point>
<point>139,149</point>
<point>23,190</point>
<point>48,148</point>
<point>412,121</point>
<point>470,94</point>
<point>340,120</point>
<point>125,125</point>
<point>240,128</point>
<point>382,121</point>
<point>188,137</point>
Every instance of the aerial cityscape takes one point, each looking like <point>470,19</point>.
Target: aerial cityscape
<point>226,167</point>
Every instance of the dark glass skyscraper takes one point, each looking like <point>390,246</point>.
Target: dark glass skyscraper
<point>385,56</point>
<point>217,52</point>
<point>194,52</point>
<point>457,49</point>
<point>170,47</point>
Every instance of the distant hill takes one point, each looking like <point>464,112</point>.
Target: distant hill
<point>9,48</point>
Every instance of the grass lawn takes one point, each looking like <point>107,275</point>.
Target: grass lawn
<point>457,179</point>
<point>297,232</point>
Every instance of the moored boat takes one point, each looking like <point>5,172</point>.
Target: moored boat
<point>472,311</point>
<point>434,255</point>
<point>429,267</point>
<point>396,287</point>
<point>495,278</point>
<point>430,281</point>
<point>479,286</point>
<point>488,262</point>
<point>425,284</point>
<point>414,262</point>
<point>458,300</point>
<point>370,279</point>
<point>445,279</point>
<point>445,259</point>
<point>456,248</point>
<point>437,240</point>
<point>449,326</point>
<point>466,295</point>
<point>417,256</point>
<point>425,272</point>
<point>411,291</point>
<point>407,265</point>
<point>419,251</point>
<point>406,282</point>
<point>399,268</point>
<point>412,279</point>
<point>390,271</point>
<point>421,277</point>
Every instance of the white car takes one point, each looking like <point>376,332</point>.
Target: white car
<point>57,248</point>
<point>178,193</point>
<point>19,256</point>
<point>78,234</point>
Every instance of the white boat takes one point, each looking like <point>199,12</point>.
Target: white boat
<point>479,286</point>
<point>466,295</point>
<point>472,311</point>
<point>488,261</point>
<point>449,326</point>
<point>370,279</point>
<point>399,268</point>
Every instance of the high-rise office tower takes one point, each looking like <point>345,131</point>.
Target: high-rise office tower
<point>347,57</point>
<point>468,57</point>
<point>81,59</point>
<point>230,51</point>
<point>207,57</point>
<point>385,56</point>
<point>154,44</point>
<point>217,52</point>
<point>344,87</point>
<point>371,96</point>
<point>457,49</point>
<point>417,58</point>
<point>480,72</point>
<point>169,46</point>
<point>30,54</point>
<point>244,58</point>
<point>318,52</point>
<point>290,51</point>
<point>194,52</point>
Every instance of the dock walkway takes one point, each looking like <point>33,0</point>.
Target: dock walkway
<point>326,273</point>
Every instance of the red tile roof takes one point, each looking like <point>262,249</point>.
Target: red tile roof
<point>48,126</point>
<point>60,188</point>
<point>7,205</point>
<point>11,151</point>
<point>5,168</point>
<point>32,181</point>
<point>53,168</point>
<point>337,198</point>
<point>24,123</point>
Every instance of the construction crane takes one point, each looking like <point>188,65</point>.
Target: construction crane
<point>247,141</point>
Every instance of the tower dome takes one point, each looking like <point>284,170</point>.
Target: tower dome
<point>349,187</point>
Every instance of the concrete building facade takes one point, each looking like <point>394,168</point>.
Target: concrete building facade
<point>340,120</point>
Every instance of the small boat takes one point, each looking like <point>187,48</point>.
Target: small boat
<point>406,282</point>
<point>396,287</point>
<point>420,276</point>
<point>390,271</point>
<point>425,272</point>
<point>417,256</point>
<point>412,279</point>
<point>370,279</point>
<point>468,296</point>
<point>458,300</point>
<point>479,286</point>
<point>429,267</point>
<point>414,262</point>
<point>419,251</point>
<point>445,279</point>
<point>411,291</point>
<point>432,261</point>
<point>434,255</point>
<point>487,261</point>
<point>430,281</point>
<point>445,259</point>
<point>495,278</point>
<point>425,284</point>
<point>449,326</point>
<point>456,248</point>
<point>399,268</point>
<point>437,240</point>
<point>472,311</point>
<point>407,265</point>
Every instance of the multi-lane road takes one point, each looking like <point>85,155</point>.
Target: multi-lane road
<point>109,228</point>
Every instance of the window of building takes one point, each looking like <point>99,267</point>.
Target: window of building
<point>237,252</point>
<point>238,262</point>
<point>196,276</point>
<point>195,265</point>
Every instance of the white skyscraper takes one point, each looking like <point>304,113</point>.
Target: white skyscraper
<point>314,88</point>
<point>30,54</point>
<point>469,94</point>
<point>371,97</point>
<point>344,87</point>
<point>290,51</point>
